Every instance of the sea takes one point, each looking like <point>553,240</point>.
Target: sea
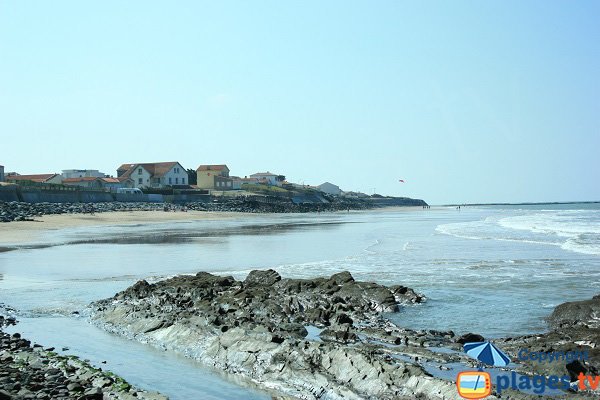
<point>491,270</point>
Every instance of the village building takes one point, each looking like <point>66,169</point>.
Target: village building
<point>154,175</point>
<point>37,178</point>
<point>89,182</point>
<point>330,188</point>
<point>237,182</point>
<point>214,176</point>
<point>268,177</point>
<point>82,173</point>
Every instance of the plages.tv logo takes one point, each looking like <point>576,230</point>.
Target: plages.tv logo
<point>474,384</point>
<point>477,384</point>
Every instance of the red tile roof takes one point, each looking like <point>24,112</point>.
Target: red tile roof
<point>34,178</point>
<point>157,170</point>
<point>110,180</point>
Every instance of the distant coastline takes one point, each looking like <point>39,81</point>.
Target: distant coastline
<point>522,204</point>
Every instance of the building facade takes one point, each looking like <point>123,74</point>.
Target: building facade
<point>88,182</point>
<point>82,173</point>
<point>154,175</point>
<point>330,188</point>
<point>267,177</point>
<point>37,178</point>
<point>214,176</point>
<point>1,173</point>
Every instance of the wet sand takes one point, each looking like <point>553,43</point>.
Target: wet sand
<point>30,231</point>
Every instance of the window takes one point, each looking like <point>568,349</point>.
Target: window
<point>140,181</point>
<point>170,181</point>
<point>176,181</point>
<point>183,181</point>
<point>139,171</point>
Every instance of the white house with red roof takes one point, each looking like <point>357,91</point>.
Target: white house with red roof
<point>267,177</point>
<point>154,175</point>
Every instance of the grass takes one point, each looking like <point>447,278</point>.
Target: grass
<point>266,189</point>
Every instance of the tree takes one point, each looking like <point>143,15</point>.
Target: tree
<point>192,176</point>
<point>280,178</point>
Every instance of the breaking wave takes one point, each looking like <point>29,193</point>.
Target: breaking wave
<point>572,230</point>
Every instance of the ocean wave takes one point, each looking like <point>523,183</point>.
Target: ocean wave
<point>564,223</point>
<point>572,230</point>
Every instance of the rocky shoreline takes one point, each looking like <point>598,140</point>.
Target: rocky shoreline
<point>257,329</point>
<point>21,211</point>
<point>321,338</point>
<point>30,371</point>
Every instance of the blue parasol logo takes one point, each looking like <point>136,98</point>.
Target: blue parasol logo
<point>487,353</point>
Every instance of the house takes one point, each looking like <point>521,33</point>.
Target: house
<point>82,173</point>
<point>214,177</point>
<point>153,175</point>
<point>125,182</point>
<point>39,178</point>
<point>90,182</point>
<point>1,173</point>
<point>268,177</point>
<point>237,182</point>
<point>329,188</point>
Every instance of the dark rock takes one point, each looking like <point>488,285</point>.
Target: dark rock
<point>341,278</point>
<point>265,316</point>
<point>470,338</point>
<point>262,278</point>
<point>93,393</point>
<point>574,368</point>
<point>343,319</point>
<point>577,313</point>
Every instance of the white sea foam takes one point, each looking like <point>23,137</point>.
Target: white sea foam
<point>564,223</point>
<point>573,230</point>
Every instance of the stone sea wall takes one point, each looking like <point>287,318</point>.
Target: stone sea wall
<point>22,211</point>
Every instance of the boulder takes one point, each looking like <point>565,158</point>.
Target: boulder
<point>262,278</point>
<point>470,338</point>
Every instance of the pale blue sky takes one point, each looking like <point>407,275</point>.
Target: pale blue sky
<point>467,101</point>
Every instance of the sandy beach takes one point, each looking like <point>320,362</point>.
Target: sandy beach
<point>31,231</point>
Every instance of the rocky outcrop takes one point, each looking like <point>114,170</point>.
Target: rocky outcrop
<point>33,372</point>
<point>257,329</point>
<point>575,331</point>
<point>576,315</point>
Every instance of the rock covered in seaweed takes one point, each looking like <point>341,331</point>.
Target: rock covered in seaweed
<point>257,329</point>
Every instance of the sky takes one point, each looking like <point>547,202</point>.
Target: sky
<point>466,101</point>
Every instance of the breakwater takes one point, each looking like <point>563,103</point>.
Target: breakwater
<point>27,210</point>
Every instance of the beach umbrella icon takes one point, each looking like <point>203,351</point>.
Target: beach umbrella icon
<point>487,353</point>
